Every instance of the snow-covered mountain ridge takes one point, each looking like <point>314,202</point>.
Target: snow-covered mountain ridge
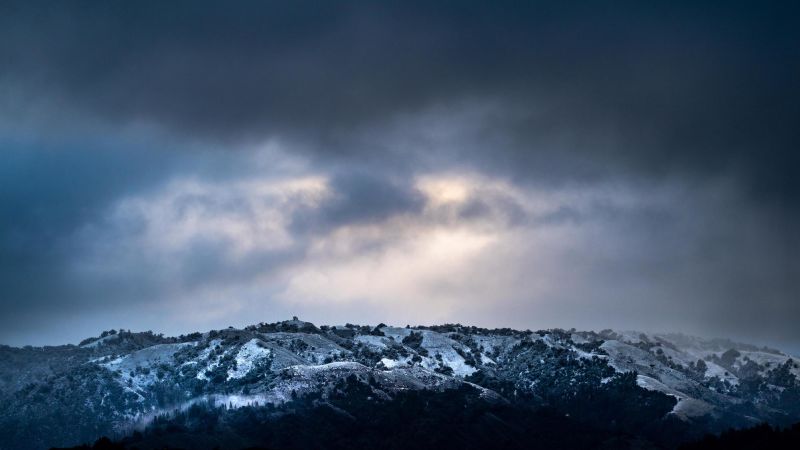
<point>120,381</point>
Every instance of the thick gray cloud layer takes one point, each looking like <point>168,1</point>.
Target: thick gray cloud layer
<point>117,115</point>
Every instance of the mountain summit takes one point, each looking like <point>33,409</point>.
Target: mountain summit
<point>151,391</point>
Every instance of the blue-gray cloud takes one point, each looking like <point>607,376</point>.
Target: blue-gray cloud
<point>359,198</point>
<point>695,88</point>
<point>103,102</point>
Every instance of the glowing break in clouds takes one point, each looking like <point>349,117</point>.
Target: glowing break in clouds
<point>231,251</point>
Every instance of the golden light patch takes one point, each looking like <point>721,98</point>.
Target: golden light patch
<point>444,190</point>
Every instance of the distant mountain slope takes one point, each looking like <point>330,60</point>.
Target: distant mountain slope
<point>661,388</point>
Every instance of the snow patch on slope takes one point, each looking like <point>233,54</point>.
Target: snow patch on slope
<point>249,354</point>
<point>374,342</point>
<point>442,347</point>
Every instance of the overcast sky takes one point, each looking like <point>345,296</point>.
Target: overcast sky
<point>181,166</point>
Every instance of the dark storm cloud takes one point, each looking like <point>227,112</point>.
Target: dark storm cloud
<point>55,196</point>
<point>537,93</point>
<point>359,198</point>
<point>50,191</point>
<point>585,90</point>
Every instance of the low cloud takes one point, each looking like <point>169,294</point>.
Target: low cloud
<point>531,165</point>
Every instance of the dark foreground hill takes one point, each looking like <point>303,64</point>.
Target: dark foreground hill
<point>756,438</point>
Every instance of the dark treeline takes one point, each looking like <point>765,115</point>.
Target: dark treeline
<point>756,438</point>
<point>455,418</point>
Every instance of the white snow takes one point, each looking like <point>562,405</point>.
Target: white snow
<point>397,333</point>
<point>587,355</point>
<point>249,354</point>
<point>336,366</point>
<point>439,344</point>
<point>147,357</point>
<point>213,344</point>
<point>374,342</point>
<point>578,339</point>
<point>686,406</point>
<point>317,348</point>
<point>491,342</point>
<point>714,370</point>
<point>652,384</point>
<point>212,363</point>
<point>691,407</point>
<point>392,363</point>
<point>301,357</point>
<point>770,360</point>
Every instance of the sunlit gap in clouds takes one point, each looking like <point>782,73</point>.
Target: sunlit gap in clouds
<point>380,165</point>
<point>235,250</point>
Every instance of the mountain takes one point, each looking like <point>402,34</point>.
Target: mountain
<point>292,384</point>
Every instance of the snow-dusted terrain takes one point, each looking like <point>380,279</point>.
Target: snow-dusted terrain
<point>122,380</point>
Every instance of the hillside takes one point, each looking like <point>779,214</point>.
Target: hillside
<point>659,389</point>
